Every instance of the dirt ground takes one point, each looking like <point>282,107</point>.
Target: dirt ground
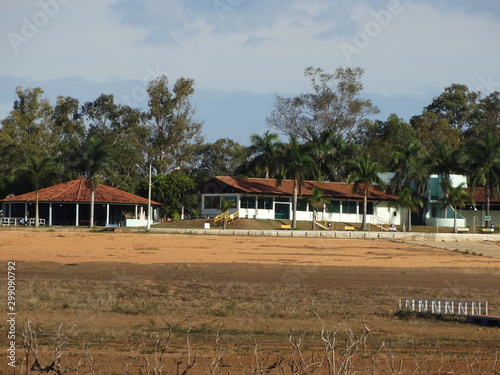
<point>249,284</point>
<point>84,247</point>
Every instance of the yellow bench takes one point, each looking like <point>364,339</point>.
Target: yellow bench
<point>487,230</point>
<point>286,226</point>
<point>348,227</point>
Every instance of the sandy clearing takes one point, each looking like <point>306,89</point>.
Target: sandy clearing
<point>80,247</point>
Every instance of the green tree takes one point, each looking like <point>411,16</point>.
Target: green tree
<point>264,150</point>
<point>225,205</point>
<point>317,200</point>
<point>410,165</point>
<point>295,163</point>
<point>118,125</point>
<point>91,160</point>
<point>39,172</point>
<point>221,158</point>
<point>409,202</point>
<point>457,105</point>
<point>483,156</point>
<point>175,191</point>
<point>173,134</point>
<point>27,130</point>
<point>334,104</point>
<point>456,197</point>
<point>381,138</point>
<point>363,174</point>
<point>331,152</point>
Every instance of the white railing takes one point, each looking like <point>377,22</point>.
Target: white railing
<point>21,221</point>
<point>443,306</point>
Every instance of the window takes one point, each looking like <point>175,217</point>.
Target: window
<point>301,205</point>
<point>369,208</point>
<point>212,202</point>
<point>333,207</point>
<point>349,207</point>
<point>247,202</point>
<point>265,203</point>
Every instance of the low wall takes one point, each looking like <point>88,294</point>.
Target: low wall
<point>401,236</point>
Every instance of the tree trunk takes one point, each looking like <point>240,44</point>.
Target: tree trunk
<point>314,220</point>
<point>455,228</point>
<point>409,220</point>
<point>488,199</point>
<point>92,193</point>
<point>294,205</point>
<point>365,206</point>
<point>37,212</point>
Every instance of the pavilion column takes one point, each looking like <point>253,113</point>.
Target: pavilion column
<point>136,212</point>
<point>77,214</point>
<point>25,210</point>
<point>107,214</point>
<point>50,214</point>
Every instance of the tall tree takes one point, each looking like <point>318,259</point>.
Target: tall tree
<point>456,197</point>
<point>317,200</point>
<point>331,152</point>
<point>173,132</point>
<point>457,105</point>
<point>484,166</point>
<point>381,138</point>
<point>264,149</point>
<point>410,165</point>
<point>220,158</point>
<point>363,174</point>
<point>409,202</point>
<point>91,159</point>
<point>27,130</point>
<point>39,172</point>
<point>295,163</point>
<point>334,104</point>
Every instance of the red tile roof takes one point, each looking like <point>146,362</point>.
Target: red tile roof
<point>77,191</point>
<point>338,190</point>
<point>480,196</point>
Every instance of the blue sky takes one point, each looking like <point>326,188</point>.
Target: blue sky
<point>242,52</point>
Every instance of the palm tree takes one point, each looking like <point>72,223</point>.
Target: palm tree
<point>36,171</point>
<point>317,200</point>
<point>408,202</point>
<point>484,165</point>
<point>264,148</point>
<point>92,160</point>
<point>295,163</point>
<point>409,165</point>
<point>225,205</point>
<point>331,153</point>
<point>456,197</point>
<point>363,174</point>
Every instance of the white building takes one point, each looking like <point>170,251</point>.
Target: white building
<point>259,198</point>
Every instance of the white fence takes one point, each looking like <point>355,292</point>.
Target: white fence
<point>21,221</point>
<point>443,306</point>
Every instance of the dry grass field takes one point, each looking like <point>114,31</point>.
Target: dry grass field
<point>130,303</point>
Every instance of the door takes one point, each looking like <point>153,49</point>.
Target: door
<point>282,211</point>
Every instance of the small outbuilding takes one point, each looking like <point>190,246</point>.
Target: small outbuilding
<point>69,204</point>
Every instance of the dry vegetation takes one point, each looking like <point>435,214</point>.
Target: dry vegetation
<point>243,318</point>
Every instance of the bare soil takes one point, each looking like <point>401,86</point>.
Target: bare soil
<point>126,289</point>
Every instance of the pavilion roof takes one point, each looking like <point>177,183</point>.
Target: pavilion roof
<point>77,191</point>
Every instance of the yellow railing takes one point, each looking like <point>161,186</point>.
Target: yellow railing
<point>227,217</point>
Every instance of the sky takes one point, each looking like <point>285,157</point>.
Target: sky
<point>241,53</point>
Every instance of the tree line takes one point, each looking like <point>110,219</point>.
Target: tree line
<point>326,134</point>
